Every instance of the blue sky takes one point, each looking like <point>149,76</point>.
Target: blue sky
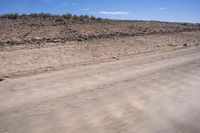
<point>163,10</point>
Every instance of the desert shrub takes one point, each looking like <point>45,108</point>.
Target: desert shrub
<point>75,17</point>
<point>99,19</point>
<point>45,15</point>
<point>60,19</point>
<point>33,15</point>
<point>23,16</point>
<point>81,18</point>
<point>10,16</point>
<point>184,24</point>
<point>106,20</point>
<point>40,15</point>
<point>67,16</point>
<point>92,17</point>
<point>86,17</point>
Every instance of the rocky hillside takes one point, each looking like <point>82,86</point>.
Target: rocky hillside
<point>41,28</point>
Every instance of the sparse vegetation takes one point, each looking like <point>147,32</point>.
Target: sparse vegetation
<point>86,17</point>
<point>81,18</point>
<point>184,24</point>
<point>92,17</point>
<point>41,15</point>
<point>10,16</point>
<point>57,18</point>
<point>67,16</point>
<point>23,16</point>
<point>75,17</point>
<point>99,19</point>
<point>60,19</point>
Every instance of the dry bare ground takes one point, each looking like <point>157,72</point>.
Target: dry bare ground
<point>32,59</point>
<point>144,84</point>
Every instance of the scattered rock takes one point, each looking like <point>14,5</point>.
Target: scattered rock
<point>1,79</point>
<point>40,30</point>
<point>55,40</point>
<point>185,45</point>
<point>37,38</point>
<point>172,45</point>
<point>115,58</point>
<point>79,39</point>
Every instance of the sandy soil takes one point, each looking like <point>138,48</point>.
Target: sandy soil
<point>133,84</point>
<point>158,92</point>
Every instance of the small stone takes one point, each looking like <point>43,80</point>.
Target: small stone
<point>185,45</point>
<point>115,58</point>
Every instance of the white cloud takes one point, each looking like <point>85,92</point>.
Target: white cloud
<point>114,13</point>
<point>163,8</point>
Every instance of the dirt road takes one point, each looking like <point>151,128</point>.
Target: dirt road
<point>158,92</point>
